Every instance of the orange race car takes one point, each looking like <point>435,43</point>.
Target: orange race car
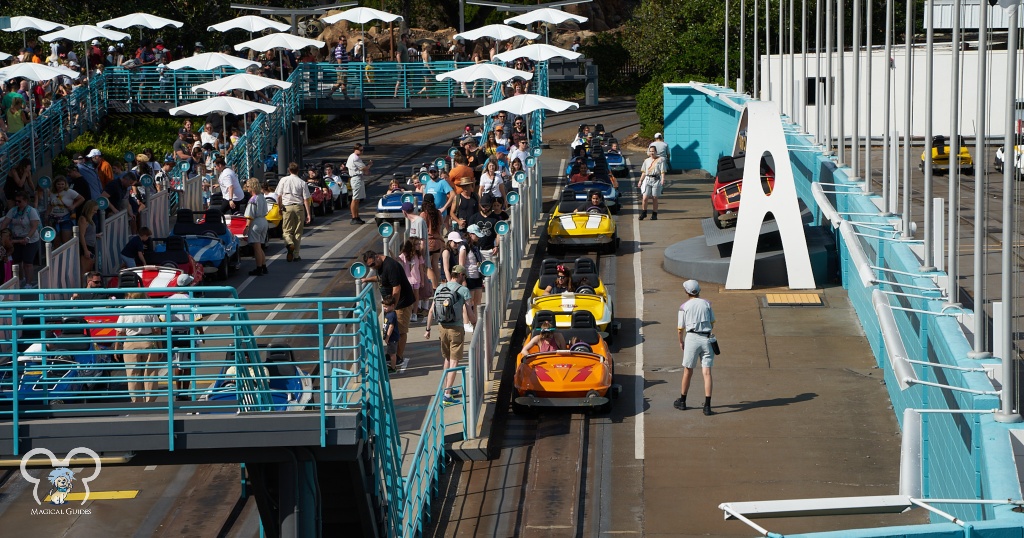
<point>564,367</point>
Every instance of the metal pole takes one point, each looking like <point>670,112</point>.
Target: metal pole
<point>953,224</point>
<point>978,347</point>
<point>886,121</point>
<point>803,53</point>
<point>818,104</point>
<point>867,85</point>
<point>782,62</point>
<point>1008,390</point>
<point>841,83</point>
<point>828,75</point>
<point>855,139</point>
<point>792,66</point>
<point>741,84</point>
<point>768,46</point>
<point>726,63</point>
<point>929,94</point>
<point>757,52</point>
<point>907,86</point>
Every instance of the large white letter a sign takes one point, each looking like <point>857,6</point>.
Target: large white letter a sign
<point>765,136</point>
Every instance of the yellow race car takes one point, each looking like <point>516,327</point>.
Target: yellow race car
<point>569,367</point>
<point>582,224</point>
<point>581,290</point>
<point>941,157</point>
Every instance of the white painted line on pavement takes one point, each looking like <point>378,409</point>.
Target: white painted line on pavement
<point>638,292</point>
<point>309,273</point>
<point>558,182</point>
<point>150,468</point>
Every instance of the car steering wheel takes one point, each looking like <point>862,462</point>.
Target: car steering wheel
<point>594,210</point>
<point>586,290</point>
<point>581,347</point>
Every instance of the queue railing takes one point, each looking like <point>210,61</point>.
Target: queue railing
<point>63,267</point>
<point>116,231</point>
<point>160,85</point>
<point>191,194</point>
<point>55,127</point>
<point>157,214</point>
<point>12,283</point>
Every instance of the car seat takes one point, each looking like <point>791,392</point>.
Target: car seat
<point>583,319</point>
<point>727,170</point>
<point>129,279</point>
<point>214,222</point>
<point>541,316</point>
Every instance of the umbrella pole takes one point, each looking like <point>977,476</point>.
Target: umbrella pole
<point>32,122</point>
<point>245,123</point>
<point>224,130</point>
<point>280,60</point>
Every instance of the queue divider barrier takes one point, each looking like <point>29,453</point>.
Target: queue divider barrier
<point>191,194</point>
<point>115,236</point>
<point>63,268</point>
<point>157,214</point>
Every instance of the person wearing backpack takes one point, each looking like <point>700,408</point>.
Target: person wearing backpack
<point>449,299</point>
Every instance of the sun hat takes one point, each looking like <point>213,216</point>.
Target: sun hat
<point>466,181</point>
<point>94,153</point>
<point>142,158</point>
<point>454,236</point>
<point>692,287</point>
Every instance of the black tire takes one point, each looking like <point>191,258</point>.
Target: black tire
<point>521,410</point>
<point>718,221</point>
<point>969,171</point>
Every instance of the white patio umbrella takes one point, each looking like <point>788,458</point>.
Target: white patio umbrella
<point>4,56</point>
<point>251,23</point>
<point>145,20</point>
<point>83,33</point>
<point>537,52</point>
<point>35,73</point>
<point>363,15</point>
<point>496,31</point>
<point>222,105</point>
<point>546,15</point>
<point>211,60</point>
<point>241,81</point>
<point>526,103</point>
<point>279,41</point>
<point>486,71</point>
<point>24,24</point>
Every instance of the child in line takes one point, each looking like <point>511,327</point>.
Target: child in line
<point>134,252</point>
<point>390,333</point>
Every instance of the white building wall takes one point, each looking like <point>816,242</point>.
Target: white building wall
<point>872,100</point>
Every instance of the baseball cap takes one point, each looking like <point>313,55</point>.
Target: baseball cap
<point>423,169</point>
<point>78,157</point>
<point>487,199</point>
<point>454,236</point>
<point>692,287</point>
<point>407,207</point>
<point>159,41</point>
<point>94,153</point>
<point>475,230</point>
<point>499,128</point>
<point>185,280</point>
<point>169,159</point>
<point>502,149</point>
<point>458,270</point>
<point>432,168</point>
<point>95,42</point>
<point>111,48</point>
<point>199,44</point>
<point>657,136</point>
<point>182,131</point>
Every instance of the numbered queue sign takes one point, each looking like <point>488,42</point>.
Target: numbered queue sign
<point>48,234</point>
<point>513,198</point>
<point>358,270</point>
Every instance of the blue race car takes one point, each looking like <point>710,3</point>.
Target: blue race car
<point>389,208</point>
<point>291,389</point>
<point>210,241</point>
<point>55,377</point>
<point>610,193</point>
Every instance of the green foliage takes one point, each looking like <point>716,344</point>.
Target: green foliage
<point>611,58</point>
<point>317,125</point>
<point>123,134</point>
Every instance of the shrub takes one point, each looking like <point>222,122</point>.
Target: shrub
<point>119,135</point>
<point>611,58</point>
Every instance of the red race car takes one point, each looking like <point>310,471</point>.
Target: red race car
<point>173,252</point>
<point>725,198</point>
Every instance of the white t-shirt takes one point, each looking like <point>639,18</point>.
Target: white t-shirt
<point>516,153</point>
<point>208,138</point>
<point>60,203</point>
<point>661,147</point>
<point>356,166</point>
<point>653,166</point>
<point>229,180</point>
<point>490,184</point>
<point>695,315</point>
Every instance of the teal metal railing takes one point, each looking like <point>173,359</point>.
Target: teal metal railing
<point>160,85</point>
<point>56,127</point>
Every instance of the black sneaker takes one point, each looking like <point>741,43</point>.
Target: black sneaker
<point>400,361</point>
<point>358,221</point>
<point>708,411</point>
<point>679,404</point>
<point>291,252</point>
<point>654,216</point>
<point>643,215</point>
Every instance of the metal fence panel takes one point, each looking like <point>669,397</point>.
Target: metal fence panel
<point>115,235</point>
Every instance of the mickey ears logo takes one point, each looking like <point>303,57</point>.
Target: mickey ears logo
<point>64,477</point>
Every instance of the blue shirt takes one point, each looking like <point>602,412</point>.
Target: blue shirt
<point>439,189</point>
<point>391,320</point>
<point>93,179</point>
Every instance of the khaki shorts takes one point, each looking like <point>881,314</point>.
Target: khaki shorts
<point>697,348</point>
<point>452,340</point>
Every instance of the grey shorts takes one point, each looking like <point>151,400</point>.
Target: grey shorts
<point>358,188</point>
<point>392,348</point>
<point>696,348</point>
